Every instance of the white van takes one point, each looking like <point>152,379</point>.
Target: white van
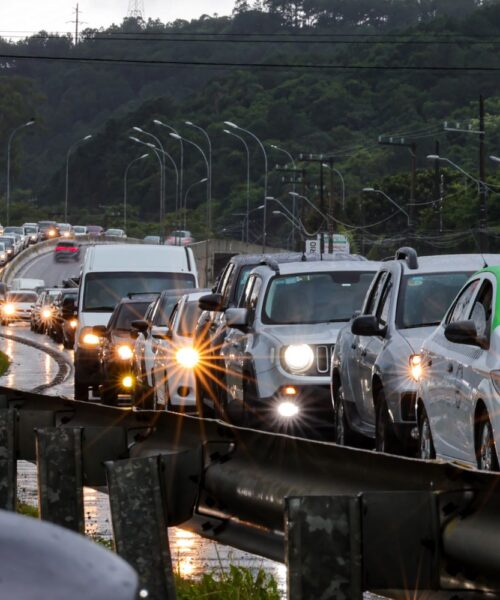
<point>111,272</point>
<point>25,283</point>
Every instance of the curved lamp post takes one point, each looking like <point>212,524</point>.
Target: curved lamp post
<point>157,154</point>
<point>181,165</point>
<point>70,150</point>
<point>264,216</point>
<point>9,144</point>
<point>369,190</point>
<point>204,180</point>
<point>242,140</point>
<point>209,142</point>
<point>163,173</point>
<point>125,187</point>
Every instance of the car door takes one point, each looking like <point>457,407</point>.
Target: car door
<point>442,400</point>
<point>468,373</point>
<point>350,367</point>
<point>369,348</point>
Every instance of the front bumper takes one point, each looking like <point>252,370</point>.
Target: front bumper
<point>113,373</point>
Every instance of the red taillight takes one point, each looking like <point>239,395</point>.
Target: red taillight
<point>66,249</point>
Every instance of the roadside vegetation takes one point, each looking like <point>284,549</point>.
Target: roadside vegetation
<point>4,363</point>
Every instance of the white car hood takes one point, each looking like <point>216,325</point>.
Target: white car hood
<point>416,336</point>
<point>89,319</point>
<point>319,333</point>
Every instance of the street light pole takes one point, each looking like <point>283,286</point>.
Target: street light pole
<point>125,188</point>
<point>325,217</point>
<point>374,191</point>
<point>181,166</point>
<point>190,124</point>
<point>163,173</point>
<point>11,137</point>
<point>174,164</point>
<point>70,149</point>
<point>186,197</point>
<point>290,157</point>
<point>248,180</point>
<point>176,136</point>
<point>264,219</point>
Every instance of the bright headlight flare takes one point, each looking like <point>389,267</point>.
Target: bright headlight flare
<point>416,366</point>
<point>299,358</point>
<point>124,352</point>
<point>127,382</point>
<point>66,234</point>
<point>73,323</point>
<point>288,409</point>
<point>46,313</point>
<point>9,309</point>
<point>187,357</point>
<point>3,256</point>
<point>51,233</point>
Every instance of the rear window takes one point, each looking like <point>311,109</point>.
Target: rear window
<point>22,297</point>
<point>66,244</point>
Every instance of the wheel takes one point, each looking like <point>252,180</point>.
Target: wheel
<point>385,438</point>
<point>487,459</point>
<point>426,449</point>
<point>81,391</point>
<point>343,434</point>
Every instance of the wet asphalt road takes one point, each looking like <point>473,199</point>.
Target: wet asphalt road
<point>52,272</point>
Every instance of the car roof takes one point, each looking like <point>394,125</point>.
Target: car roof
<point>138,299</point>
<point>284,257</point>
<point>447,263</point>
<point>326,265</point>
<point>178,292</point>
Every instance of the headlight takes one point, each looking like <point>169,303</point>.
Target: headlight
<point>128,382</point>
<point>299,358</point>
<point>124,352</point>
<point>9,250</point>
<point>187,357</point>
<point>9,309</point>
<point>66,234</point>
<point>288,409</point>
<point>51,233</point>
<point>46,313</point>
<point>73,323</point>
<point>33,238</point>
<point>416,367</point>
<point>3,256</point>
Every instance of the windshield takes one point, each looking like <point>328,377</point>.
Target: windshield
<point>30,229</point>
<point>79,229</point>
<point>130,312</point>
<point>103,291</point>
<point>21,297</point>
<point>18,230</point>
<point>424,299</point>
<point>315,297</point>
<point>189,319</point>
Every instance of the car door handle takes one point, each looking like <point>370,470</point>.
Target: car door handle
<point>450,368</point>
<point>363,353</point>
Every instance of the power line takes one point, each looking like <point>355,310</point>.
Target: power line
<point>223,64</point>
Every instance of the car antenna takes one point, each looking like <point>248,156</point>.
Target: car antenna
<point>476,241</point>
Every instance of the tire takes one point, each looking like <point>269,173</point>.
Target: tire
<point>385,438</point>
<point>343,435</point>
<point>487,459</point>
<point>81,391</point>
<point>426,450</point>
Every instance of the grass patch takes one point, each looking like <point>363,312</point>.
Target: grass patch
<point>27,510</point>
<point>237,584</point>
<point>4,363</point>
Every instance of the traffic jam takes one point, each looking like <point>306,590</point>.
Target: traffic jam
<point>399,356</point>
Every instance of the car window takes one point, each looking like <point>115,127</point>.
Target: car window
<point>482,310</point>
<point>385,300</point>
<point>375,293</point>
<point>461,308</point>
<point>253,297</point>
<point>224,283</point>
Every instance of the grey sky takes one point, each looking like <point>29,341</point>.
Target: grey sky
<point>54,15</point>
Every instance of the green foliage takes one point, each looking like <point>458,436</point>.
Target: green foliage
<point>27,510</point>
<point>4,363</point>
<point>237,584</point>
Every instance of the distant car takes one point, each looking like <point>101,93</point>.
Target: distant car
<point>42,313</point>
<point>17,241</point>
<point>27,283</point>
<point>9,244</point>
<point>118,233</point>
<point>3,254</point>
<point>63,313</point>
<point>66,250</point>
<point>32,232</point>
<point>20,232</point>
<point>152,239</point>
<point>65,230</point>
<point>17,306</point>
<point>80,230</point>
<point>95,230</point>
<point>48,229</point>
<point>116,353</point>
<point>181,237</point>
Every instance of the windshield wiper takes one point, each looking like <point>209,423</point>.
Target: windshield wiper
<point>99,309</point>
<point>415,325</point>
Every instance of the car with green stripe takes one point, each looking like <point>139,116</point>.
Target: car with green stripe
<point>458,398</point>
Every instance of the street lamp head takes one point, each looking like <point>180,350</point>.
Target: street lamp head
<point>203,180</point>
<point>231,124</point>
<point>30,122</point>
<point>368,190</point>
<point>261,207</point>
<point>175,136</point>
<point>134,139</point>
<point>87,137</point>
<point>269,198</point>
<point>143,156</point>
<point>296,194</point>
<point>277,212</point>
<point>151,145</point>
<point>433,157</point>
<point>158,122</point>
<point>495,158</point>
<point>138,129</point>
<point>188,123</point>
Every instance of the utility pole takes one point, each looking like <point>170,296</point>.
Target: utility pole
<point>77,23</point>
<point>412,146</point>
<point>483,192</point>
<point>317,158</point>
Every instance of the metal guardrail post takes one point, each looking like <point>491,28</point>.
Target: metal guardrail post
<point>8,459</point>
<point>60,477</point>
<point>139,525</point>
<point>323,547</point>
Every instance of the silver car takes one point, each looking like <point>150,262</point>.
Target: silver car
<point>459,392</point>
<point>376,362</point>
<point>280,339</point>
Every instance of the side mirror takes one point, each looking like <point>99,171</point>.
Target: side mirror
<point>140,325</point>
<point>211,302</point>
<point>464,332</point>
<point>161,333</point>
<point>368,325</point>
<point>99,330</point>
<point>237,318</point>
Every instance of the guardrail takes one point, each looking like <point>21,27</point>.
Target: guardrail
<point>342,519</point>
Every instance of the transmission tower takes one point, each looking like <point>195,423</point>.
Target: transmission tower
<point>136,9</point>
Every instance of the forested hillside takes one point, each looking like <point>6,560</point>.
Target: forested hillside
<point>312,77</point>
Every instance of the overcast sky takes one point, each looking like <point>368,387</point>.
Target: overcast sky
<point>53,15</point>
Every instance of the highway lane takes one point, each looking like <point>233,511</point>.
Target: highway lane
<point>53,273</point>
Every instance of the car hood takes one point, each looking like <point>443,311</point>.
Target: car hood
<point>121,337</point>
<point>89,319</point>
<point>319,333</point>
<point>416,335</point>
